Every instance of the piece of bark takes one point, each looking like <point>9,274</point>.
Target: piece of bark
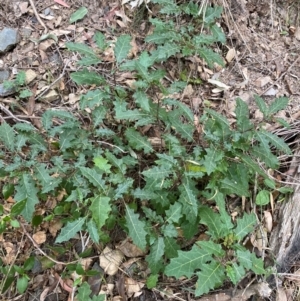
<point>285,237</point>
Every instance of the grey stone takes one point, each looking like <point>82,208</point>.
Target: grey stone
<point>6,91</point>
<point>9,37</point>
<point>4,75</point>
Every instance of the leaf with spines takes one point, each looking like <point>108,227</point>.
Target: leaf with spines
<point>100,209</point>
<point>242,116</point>
<point>70,230</point>
<point>213,248</point>
<point>252,165</point>
<point>169,230</point>
<point>123,188</point>
<point>88,61</point>
<point>261,105</point>
<point>218,33</point>
<point>26,190</point>
<point>144,194</point>
<point>155,257</point>
<point>212,13</point>
<point>142,99</point>
<point>137,141</point>
<point>257,265</point>
<point>93,98</point>
<point>184,109</point>
<point>244,258</point>
<point>100,40</point>
<point>86,77</point>
<point>235,272</point>
<point>122,48</point>
<point>118,163</point>
<point>42,174</point>
<point>236,180</point>
<point>212,221</point>
<point>185,130</point>
<point>93,231</point>
<point>210,56</point>
<point>94,177</point>
<point>278,104</point>
<point>171,247</point>
<point>7,136</point>
<point>211,159</point>
<point>50,114</point>
<point>203,39</point>
<point>245,225</point>
<point>82,49</point>
<point>274,140</point>
<point>188,196</point>
<point>174,214</point>
<point>225,218</point>
<point>101,163</point>
<point>122,113</point>
<point>187,262</point>
<point>136,228</point>
<point>211,276</point>
<point>169,8</point>
<point>78,14</point>
<point>264,153</point>
<point>167,50</point>
<point>221,120</point>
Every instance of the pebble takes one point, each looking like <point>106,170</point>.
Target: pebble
<point>9,37</point>
<point>4,75</point>
<point>6,91</point>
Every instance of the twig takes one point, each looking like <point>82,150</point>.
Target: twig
<point>7,111</point>
<point>59,78</point>
<point>112,145</point>
<point>37,16</point>
<point>42,252</point>
<point>281,76</point>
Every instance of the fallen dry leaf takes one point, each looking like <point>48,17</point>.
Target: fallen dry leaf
<point>262,81</point>
<point>30,75</point>
<point>39,237</point>
<point>280,294</point>
<point>10,252</point>
<point>129,249</point>
<point>268,221</point>
<point>132,287</point>
<point>61,2</point>
<point>230,55</point>
<point>110,260</point>
<point>55,226</point>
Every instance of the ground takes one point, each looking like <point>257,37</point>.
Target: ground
<point>262,57</point>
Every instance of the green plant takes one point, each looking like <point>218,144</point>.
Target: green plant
<point>18,84</point>
<point>113,175</point>
<point>10,273</point>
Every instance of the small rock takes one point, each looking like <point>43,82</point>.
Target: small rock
<point>8,39</point>
<point>26,32</point>
<point>6,91</point>
<point>30,76</point>
<point>297,33</point>
<point>258,115</point>
<point>247,97</point>
<point>55,59</point>
<point>271,92</point>
<point>4,75</point>
<point>262,81</point>
<point>50,96</point>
